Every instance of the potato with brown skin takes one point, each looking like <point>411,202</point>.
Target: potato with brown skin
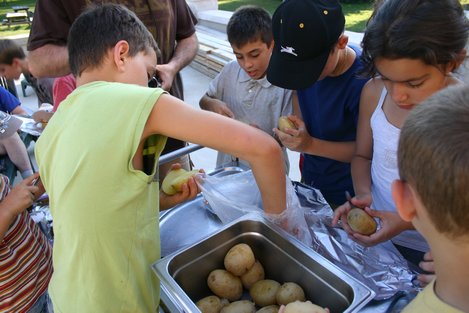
<point>269,309</point>
<point>284,123</point>
<point>239,259</point>
<point>252,276</point>
<point>225,285</point>
<point>289,292</point>
<point>264,291</point>
<point>211,304</point>
<point>173,181</point>
<point>361,222</point>
<point>242,306</point>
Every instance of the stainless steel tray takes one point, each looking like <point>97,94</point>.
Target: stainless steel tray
<point>183,273</point>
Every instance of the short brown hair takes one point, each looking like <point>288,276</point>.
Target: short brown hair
<point>433,157</point>
<point>10,50</point>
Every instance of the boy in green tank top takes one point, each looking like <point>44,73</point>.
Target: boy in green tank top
<point>104,204</point>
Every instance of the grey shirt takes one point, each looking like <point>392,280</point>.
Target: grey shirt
<point>255,102</point>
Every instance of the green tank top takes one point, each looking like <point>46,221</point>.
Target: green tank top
<point>105,212</point>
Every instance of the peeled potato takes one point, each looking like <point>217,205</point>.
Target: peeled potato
<point>264,291</point>
<point>225,285</point>
<point>252,276</point>
<point>361,222</point>
<point>211,304</point>
<point>242,306</point>
<point>172,183</point>
<point>239,259</point>
<point>289,292</point>
<point>284,123</point>
<point>303,307</point>
<point>269,309</point>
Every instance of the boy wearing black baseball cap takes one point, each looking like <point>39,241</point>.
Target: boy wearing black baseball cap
<point>312,56</point>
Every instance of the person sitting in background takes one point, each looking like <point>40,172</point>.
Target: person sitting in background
<point>13,63</point>
<point>10,104</point>
<point>432,193</point>
<point>241,90</point>
<point>12,145</point>
<point>25,252</point>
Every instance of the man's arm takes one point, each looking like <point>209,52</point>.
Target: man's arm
<point>40,64</point>
<point>186,49</point>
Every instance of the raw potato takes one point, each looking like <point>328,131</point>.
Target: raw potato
<point>172,183</point>
<point>269,309</point>
<point>361,222</point>
<point>211,304</point>
<point>264,291</point>
<point>225,285</point>
<point>252,276</point>
<point>284,123</point>
<point>242,306</point>
<point>239,259</point>
<point>303,307</point>
<point>290,292</point>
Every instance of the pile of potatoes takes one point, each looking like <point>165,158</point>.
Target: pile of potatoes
<point>243,272</point>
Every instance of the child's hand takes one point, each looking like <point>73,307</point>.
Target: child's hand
<point>221,108</point>
<point>189,191</point>
<point>340,213</point>
<point>21,196</point>
<point>295,139</point>
<point>429,267</point>
<point>391,226</point>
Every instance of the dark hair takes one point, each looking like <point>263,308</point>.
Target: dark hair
<point>249,23</point>
<point>433,157</point>
<point>10,50</point>
<point>98,29</point>
<point>434,31</point>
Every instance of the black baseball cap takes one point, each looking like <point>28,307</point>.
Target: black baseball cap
<point>304,33</point>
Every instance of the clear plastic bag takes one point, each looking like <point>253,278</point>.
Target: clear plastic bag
<point>230,197</point>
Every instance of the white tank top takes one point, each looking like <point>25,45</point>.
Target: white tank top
<point>384,171</point>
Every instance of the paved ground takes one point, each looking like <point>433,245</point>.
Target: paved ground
<point>195,85</point>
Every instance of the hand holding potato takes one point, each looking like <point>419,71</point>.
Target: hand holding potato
<point>297,138</point>
<point>188,189</point>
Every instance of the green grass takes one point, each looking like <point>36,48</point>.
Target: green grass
<point>5,6</point>
<point>356,15</point>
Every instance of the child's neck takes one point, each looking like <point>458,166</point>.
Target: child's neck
<point>346,59</point>
<point>452,270</point>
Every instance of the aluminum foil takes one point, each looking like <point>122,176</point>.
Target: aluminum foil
<point>380,267</point>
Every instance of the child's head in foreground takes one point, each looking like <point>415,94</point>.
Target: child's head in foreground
<point>11,56</point>
<point>110,32</point>
<point>250,35</point>
<point>433,160</point>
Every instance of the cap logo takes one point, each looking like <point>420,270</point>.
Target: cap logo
<point>325,12</point>
<point>289,50</point>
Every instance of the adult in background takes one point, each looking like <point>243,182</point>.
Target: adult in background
<point>171,23</point>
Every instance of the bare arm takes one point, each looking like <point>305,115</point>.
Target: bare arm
<point>211,104</point>
<point>227,135</point>
<point>186,49</point>
<point>49,61</point>
<point>361,162</point>
<point>19,198</point>
<point>19,111</point>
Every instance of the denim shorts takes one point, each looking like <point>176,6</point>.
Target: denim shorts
<point>42,305</point>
